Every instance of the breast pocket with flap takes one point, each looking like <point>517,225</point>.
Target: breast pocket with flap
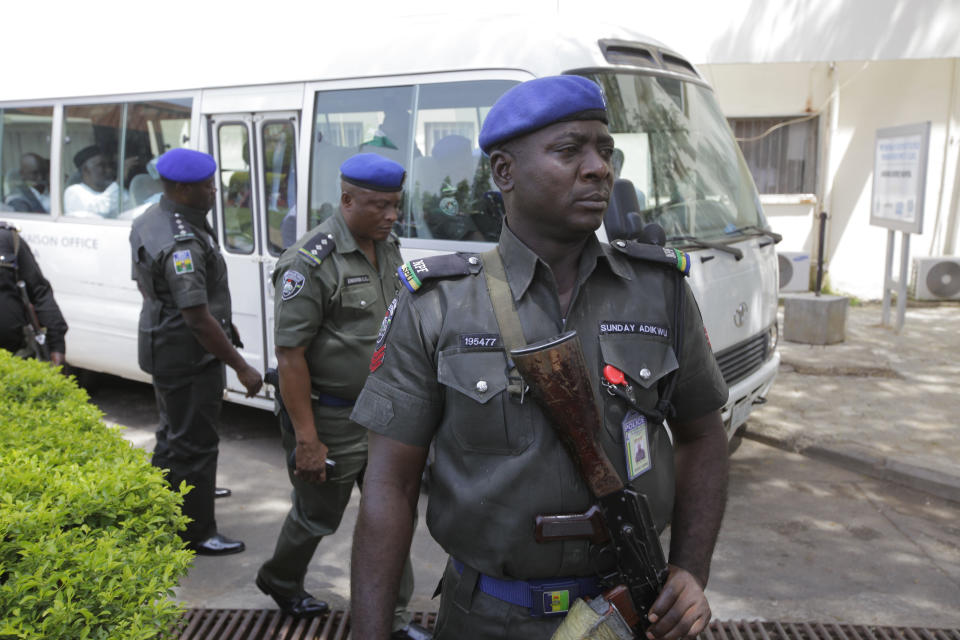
<point>644,361</point>
<point>476,381</point>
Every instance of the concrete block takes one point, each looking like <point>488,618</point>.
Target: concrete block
<point>810,319</point>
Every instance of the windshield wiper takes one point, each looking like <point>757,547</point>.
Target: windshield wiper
<point>755,229</point>
<point>697,242</point>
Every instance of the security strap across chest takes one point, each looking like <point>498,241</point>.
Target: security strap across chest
<point>511,331</point>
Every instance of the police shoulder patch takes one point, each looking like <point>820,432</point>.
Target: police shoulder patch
<point>380,348</point>
<point>415,272</point>
<point>654,253</point>
<point>181,232</point>
<point>182,262</point>
<point>317,248</point>
<point>292,284</point>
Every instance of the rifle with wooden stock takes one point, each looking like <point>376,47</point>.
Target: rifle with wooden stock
<point>621,521</point>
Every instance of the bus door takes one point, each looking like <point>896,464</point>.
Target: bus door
<point>256,218</point>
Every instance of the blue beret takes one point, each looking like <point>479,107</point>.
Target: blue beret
<point>186,165</point>
<point>537,103</point>
<point>373,171</point>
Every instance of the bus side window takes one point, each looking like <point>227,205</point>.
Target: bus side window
<point>280,184</point>
<point>435,139</point>
<point>352,121</point>
<point>236,193</point>
<point>25,159</point>
<point>109,153</point>
<point>450,182</point>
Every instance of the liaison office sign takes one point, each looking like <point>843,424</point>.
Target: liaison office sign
<point>900,177</point>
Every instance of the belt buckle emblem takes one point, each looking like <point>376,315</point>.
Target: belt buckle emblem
<point>553,598</point>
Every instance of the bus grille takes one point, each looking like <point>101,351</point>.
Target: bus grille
<point>740,360</point>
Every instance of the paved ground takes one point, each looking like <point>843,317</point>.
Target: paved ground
<point>805,540</point>
<point>883,403</point>
<point>802,540</point>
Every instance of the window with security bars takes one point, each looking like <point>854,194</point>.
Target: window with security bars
<point>781,152</point>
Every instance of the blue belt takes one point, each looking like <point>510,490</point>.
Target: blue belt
<point>543,597</point>
<point>327,400</point>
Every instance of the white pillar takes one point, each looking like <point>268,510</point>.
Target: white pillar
<point>943,240</point>
<point>828,171</point>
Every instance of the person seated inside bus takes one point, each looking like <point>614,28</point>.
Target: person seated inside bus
<point>146,188</point>
<point>451,201</point>
<point>98,192</point>
<point>390,137</point>
<point>32,195</point>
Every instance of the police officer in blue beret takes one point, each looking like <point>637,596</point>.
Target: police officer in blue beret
<point>442,381</point>
<point>187,335</point>
<point>333,287</point>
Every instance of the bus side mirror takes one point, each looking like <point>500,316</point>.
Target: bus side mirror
<point>623,220</point>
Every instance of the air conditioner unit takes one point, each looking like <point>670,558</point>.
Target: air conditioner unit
<point>935,278</point>
<point>794,271</point>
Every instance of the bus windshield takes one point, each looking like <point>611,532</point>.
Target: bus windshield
<point>674,144</point>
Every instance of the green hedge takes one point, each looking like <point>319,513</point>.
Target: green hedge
<point>88,544</point>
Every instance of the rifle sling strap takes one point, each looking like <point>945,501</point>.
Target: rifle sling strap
<point>16,253</point>
<point>511,332</point>
<point>15,237</point>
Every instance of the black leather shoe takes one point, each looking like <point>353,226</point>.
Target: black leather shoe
<point>222,492</point>
<point>302,605</point>
<point>411,632</point>
<point>217,545</point>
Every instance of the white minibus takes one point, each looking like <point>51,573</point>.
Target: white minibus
<point>417,94</point>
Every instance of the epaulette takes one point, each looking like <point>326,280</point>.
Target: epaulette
<point>317,248</point>
<point>10,260</point>
<point>415,272</point>
<point>180,231</point>
<point>654,253</point>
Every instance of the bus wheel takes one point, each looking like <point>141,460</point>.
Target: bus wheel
<point>735,441</point>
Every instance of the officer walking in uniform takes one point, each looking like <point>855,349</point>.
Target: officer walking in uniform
<point>187,335</point>
<point>441,377</point>
<point>332,291</point>
<point>22,285</point>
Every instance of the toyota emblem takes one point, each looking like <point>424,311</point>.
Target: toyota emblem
<point>739,313</point>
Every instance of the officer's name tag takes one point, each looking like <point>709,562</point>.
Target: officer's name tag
<point>350,280</point>
<point>479,340</point>
<point>643,328</point>
<point>182,262</point>
<point>635,443</point>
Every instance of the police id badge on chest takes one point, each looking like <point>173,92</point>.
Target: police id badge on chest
<point>635,444</point>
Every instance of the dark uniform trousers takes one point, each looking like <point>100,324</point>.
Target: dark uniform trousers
<point>189,408</point>
<point>318,508</point>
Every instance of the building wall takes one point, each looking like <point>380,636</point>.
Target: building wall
<point>871,95</point>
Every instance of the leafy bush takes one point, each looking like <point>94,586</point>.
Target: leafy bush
<point>88,544</point>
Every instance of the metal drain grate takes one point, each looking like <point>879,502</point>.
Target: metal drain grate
<point>742,630</point>
<point>269,624</point>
